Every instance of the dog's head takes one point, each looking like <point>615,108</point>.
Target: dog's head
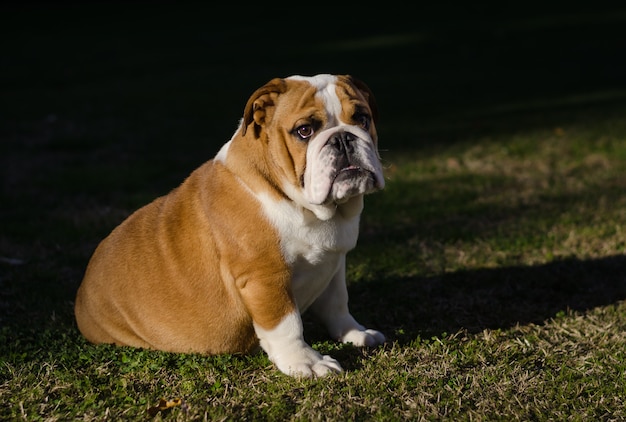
<point>320,136</point>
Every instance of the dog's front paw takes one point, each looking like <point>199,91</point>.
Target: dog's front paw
<point>306,362</point>
<point>363,337</point>
<point>287,349</point>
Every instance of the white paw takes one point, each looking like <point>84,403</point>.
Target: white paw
<point>306,363</point>
<point>363,337</point>
<point>290,353</point>
<point>326,366</point>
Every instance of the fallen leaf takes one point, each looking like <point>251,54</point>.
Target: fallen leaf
<point>164,405</point>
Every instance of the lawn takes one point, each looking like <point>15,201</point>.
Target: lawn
<point>494,260</point>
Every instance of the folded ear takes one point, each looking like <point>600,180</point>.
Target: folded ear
<point>259,107</point>
<point>367,93</point>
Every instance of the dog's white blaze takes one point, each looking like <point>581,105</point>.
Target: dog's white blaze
<point>331,102</point>
<point>326,89</point>
<point>318,81</point>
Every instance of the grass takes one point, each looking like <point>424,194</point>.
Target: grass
<point>493,261</point>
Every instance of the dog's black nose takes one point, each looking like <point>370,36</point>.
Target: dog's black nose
<point>343,142</point>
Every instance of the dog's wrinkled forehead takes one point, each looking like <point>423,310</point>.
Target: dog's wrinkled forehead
<point>339,95</point>
<point>325,85</point>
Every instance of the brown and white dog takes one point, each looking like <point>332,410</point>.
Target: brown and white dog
<point>230,259</point>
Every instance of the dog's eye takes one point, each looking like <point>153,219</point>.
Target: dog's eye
<point>363,120</point>
<point>305,131</point>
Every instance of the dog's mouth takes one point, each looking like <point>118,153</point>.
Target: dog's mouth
<point>351,172</point>
<point>350,181</point>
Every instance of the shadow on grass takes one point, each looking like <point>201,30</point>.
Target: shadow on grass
<point>411,308</point>
<point>482,299</point>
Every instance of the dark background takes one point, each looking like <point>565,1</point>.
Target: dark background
<point>443,60</point>
<point>104,106</point>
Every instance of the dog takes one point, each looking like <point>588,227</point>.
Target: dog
<point>229,260</point>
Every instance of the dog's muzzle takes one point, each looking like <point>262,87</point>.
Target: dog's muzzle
<point>342,163</point>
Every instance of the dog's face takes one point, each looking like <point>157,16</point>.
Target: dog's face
<point>321,138</point>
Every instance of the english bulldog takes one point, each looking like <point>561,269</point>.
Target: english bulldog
<point>230,259</point>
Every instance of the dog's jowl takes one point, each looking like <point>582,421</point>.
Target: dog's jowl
<point>231,258</point>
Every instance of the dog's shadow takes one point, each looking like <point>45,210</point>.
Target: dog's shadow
<point>409,308</point>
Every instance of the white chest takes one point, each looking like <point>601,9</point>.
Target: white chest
<point>315,249</point>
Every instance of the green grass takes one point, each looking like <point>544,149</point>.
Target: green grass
<point>493,261</point>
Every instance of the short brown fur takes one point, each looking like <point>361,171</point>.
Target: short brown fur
<point>154,282</point>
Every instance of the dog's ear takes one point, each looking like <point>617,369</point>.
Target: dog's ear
<point>257,110</point>
<point>367,93</point>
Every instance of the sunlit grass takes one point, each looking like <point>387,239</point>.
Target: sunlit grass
<point>493,266</point>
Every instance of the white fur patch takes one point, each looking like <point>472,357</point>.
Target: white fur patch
<point>332,308</point>
<point>350,331</point>
<point>312,247</point>
<point>223,153</point>
<point>286,348</point>
<point>318,81</point>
